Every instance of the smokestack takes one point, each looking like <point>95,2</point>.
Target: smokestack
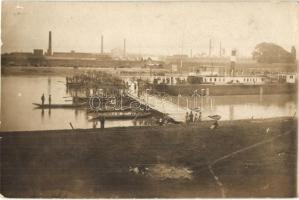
<point>125,53</point>
<point>233,62</point>
<point>102,44</point>
<point>50,44</point>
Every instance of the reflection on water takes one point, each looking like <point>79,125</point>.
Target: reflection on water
<point>19,92</point>
<point>18,113</point>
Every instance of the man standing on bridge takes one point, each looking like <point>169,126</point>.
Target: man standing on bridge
<point>191,117</point>
<point>187,117</point>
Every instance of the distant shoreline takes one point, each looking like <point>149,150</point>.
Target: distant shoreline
<point>55,71</point>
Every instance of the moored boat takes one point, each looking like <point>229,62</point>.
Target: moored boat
<point>38,105</point>
<point>122,115</point>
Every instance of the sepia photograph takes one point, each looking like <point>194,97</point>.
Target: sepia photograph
<point>149,99</point>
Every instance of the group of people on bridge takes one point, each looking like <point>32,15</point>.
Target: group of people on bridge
<point>191,118</point>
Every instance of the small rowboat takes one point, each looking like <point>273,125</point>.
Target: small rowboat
<point>195,109</point>
<point>38,105</point>
<point>74,84</point>
<point>121,116</point>
<point>111,110</point>
<point>215,117</point>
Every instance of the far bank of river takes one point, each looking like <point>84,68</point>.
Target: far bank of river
<point>49,71</point>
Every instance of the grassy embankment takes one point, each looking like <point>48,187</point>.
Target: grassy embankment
<point>54,71</point>
<point>95,163</point>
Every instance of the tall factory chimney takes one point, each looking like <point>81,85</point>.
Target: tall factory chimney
<point>233,62</point>
<point>49,52</point>
<point>102,44</point>
<point>125,53</point>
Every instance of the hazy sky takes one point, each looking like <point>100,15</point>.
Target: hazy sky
<point>150,27</point>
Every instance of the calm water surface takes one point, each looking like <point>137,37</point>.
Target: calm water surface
<point>18,113</point>
<point>19,92</point>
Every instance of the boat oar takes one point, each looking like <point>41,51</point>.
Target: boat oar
<point>215,117</point>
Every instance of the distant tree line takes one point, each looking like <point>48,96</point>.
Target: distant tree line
<point>272,53</point>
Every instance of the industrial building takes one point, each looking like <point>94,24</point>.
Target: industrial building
<point>51,57</point>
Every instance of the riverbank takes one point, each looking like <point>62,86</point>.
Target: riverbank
<point>219,90</point>
<point>96,163</point>
<point>54,71</point>
<point>69,71</point>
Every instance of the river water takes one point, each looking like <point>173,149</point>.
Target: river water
<point>19,92</point>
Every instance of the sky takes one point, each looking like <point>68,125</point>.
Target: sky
<point>149,27</point>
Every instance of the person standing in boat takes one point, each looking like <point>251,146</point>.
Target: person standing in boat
<point>50,99</point>
<point>43,100</point>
